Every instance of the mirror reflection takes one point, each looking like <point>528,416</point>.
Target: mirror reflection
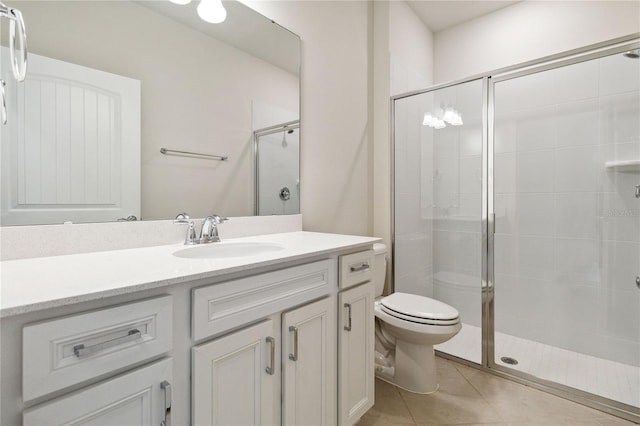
<point>110,84</point>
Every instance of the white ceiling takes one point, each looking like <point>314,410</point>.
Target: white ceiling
<point>244,28</point>
<point>440,15</point>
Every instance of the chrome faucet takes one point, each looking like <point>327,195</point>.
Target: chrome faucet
<point>209,231</point>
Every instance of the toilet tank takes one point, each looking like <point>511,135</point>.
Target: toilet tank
<point>380,250</point>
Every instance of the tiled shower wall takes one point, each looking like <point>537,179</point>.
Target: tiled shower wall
<point>567,243</point>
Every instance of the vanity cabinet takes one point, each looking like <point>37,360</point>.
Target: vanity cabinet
<point>236,378</point>
<point>356,337</point>
<point>281,370</point>
<point>253,344</point>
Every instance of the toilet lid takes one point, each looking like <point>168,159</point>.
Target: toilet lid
<point>418,307</point>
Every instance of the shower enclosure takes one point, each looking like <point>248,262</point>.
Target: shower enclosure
<point>517,201</point>
<point>277,169</point>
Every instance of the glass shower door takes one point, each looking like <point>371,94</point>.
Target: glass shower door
<point>567,225</point>
<point>438,204</point>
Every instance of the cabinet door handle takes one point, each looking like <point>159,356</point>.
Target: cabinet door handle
<point>272,355</point>
<point>294,355</point>
<point>166,387</point>
<point>348,327</point>
<point>362,267</point>
<point>81,350</point>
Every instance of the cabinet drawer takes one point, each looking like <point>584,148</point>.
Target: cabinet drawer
<point>62,352</point>
<point>356,268</point>
<point>140,397</point>
<point>222,307</point>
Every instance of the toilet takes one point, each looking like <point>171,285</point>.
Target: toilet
<point>407,326</point>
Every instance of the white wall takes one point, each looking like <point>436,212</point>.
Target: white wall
<point>529,30</point>
<point>402,61</point>
<point>336,174</point>
<point>411,50</point>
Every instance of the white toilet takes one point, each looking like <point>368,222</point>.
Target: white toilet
<point>407,327</point>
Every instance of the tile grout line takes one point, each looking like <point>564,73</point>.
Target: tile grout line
<point>415,422</point>
<point>455,365</point>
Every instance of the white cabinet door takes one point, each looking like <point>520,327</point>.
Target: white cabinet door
<point>356,353</point>
<point>309,364</point>
<point>135,398</point>
<point>230,381</point>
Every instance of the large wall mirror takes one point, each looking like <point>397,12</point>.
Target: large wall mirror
<point>111,84</point>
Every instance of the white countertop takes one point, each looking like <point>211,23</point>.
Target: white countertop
<point>28,285</point>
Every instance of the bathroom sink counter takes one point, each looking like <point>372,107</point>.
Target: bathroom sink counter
<point>29,285</point>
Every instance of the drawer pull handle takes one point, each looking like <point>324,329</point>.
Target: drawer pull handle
<point>166,387</point>
<point>272,356</point>
<point>294,355</point>
<point>348,327</point>
<point>81,350</point>
<point>362,267</point>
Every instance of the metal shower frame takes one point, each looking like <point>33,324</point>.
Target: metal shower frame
<point>489,79</point>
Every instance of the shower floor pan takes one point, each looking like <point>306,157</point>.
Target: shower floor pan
<point>609,379</point>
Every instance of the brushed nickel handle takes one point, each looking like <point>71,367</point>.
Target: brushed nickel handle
<point>294,355</point>
<point>348,327</point>
<point>271,369</point>
<point>82,350</point>
<point>166,387</point>
<point>362,267</point>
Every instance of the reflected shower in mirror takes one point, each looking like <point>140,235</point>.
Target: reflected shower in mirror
<point>111,83</point>
<point>277,153</point>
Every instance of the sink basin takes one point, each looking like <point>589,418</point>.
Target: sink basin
<point>227,250</point>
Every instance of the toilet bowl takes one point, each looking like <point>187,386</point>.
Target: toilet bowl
<point>407,327</point>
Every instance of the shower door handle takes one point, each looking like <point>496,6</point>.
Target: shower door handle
<point>4,101</point>
<point>492,224</point>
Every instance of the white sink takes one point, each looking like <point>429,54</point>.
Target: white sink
<point>227,250</point>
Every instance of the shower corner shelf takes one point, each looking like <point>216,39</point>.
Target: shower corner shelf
<point>623,166</point>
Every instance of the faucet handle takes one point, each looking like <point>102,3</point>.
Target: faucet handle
<point>209,232</point>
<point>182,218</point>
<point>218,219</point>
<point>190,239</point>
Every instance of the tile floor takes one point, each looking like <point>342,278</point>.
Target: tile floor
<point>468,396</point>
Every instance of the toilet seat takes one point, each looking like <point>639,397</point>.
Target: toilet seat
<point>419,309</point>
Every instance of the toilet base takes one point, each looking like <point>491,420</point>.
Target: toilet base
<point>389,380</point>
<point>414,368</point>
